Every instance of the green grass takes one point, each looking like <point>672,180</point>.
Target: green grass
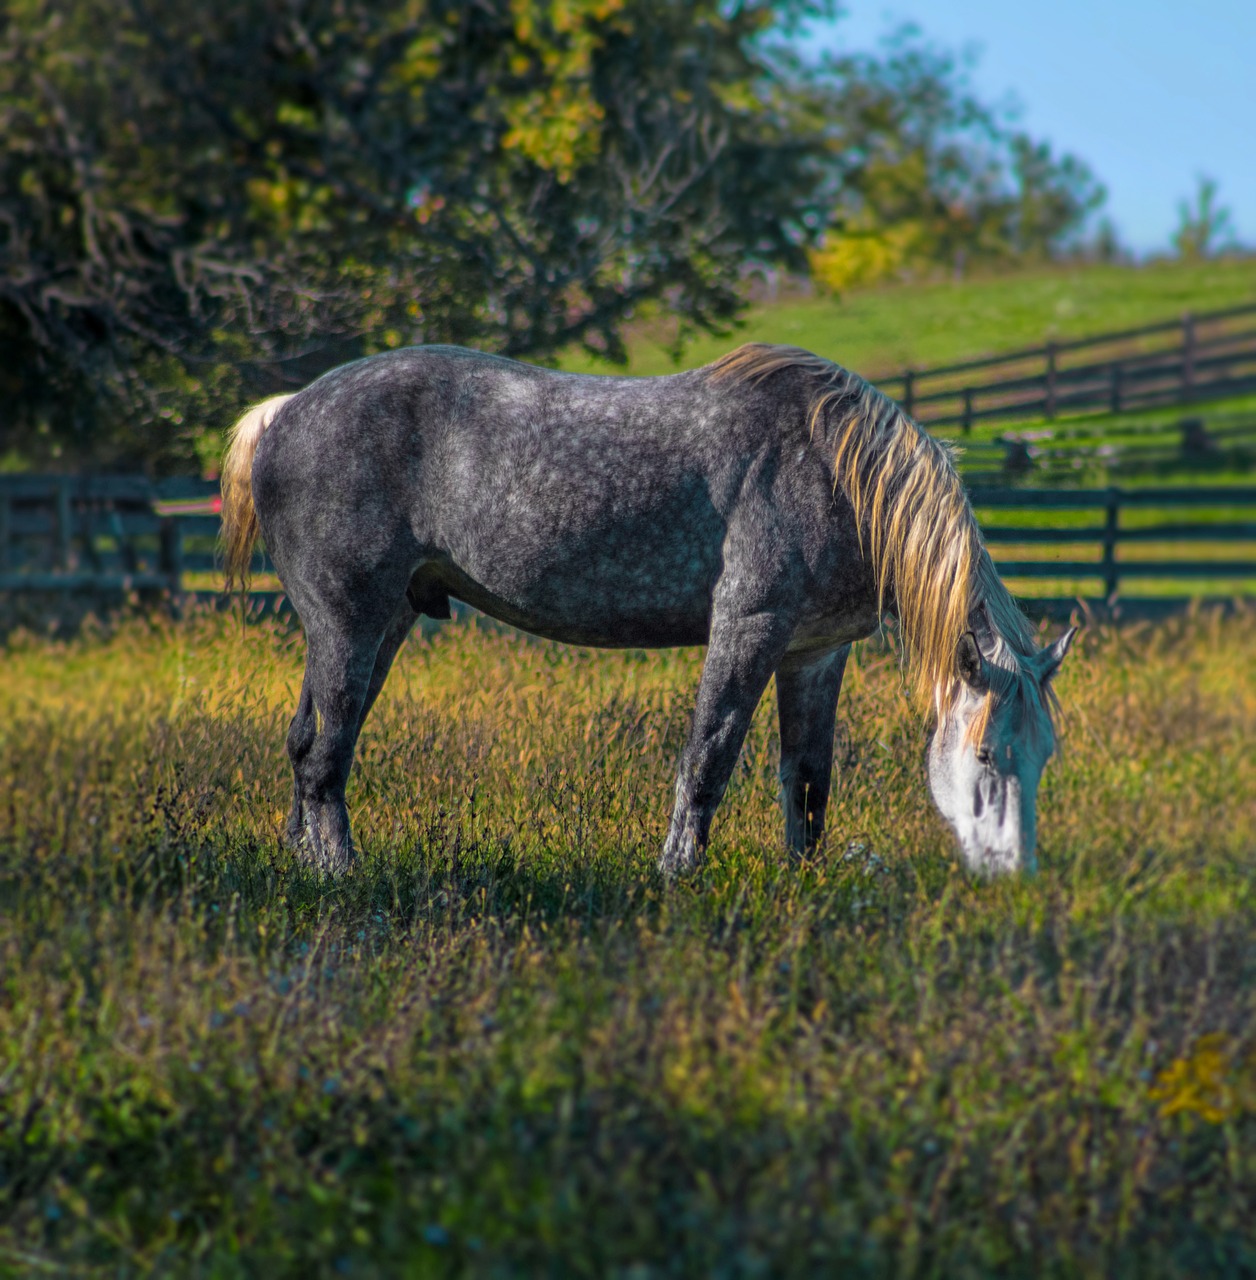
<point>882,331</point>
<point>1079,438</point>
<point>1133,426</point>
<point>504,1047</point>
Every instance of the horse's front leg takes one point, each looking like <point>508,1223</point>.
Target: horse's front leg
<point>741,654</point>
<point>807,689</point>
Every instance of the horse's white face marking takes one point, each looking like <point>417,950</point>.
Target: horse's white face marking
<point>987,787</point>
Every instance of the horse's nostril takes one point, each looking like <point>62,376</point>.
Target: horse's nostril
<point>979,803</point>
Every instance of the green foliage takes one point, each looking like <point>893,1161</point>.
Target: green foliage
<point>201,203</point>
<point>503,1047</point>
<point>1205,227</point>
<point>929,176</point>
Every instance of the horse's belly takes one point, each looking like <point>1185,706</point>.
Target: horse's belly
<point>611,566</point>
<point>593,605</point>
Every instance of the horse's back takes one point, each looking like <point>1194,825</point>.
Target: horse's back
<point>594,508</point>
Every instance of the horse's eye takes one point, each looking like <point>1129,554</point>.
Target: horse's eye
<point>983,756</point>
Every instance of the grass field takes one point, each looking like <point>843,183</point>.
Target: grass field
<point>883,330</point>
<point>503,1047</point>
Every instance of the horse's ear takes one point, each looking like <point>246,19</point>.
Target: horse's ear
<point>1049,659</point>
<point>971,664</point>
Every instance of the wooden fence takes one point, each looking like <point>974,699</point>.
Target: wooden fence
<point>1206,356</point>
<point>106,534</point>
<point>111,534</point>
<point>1138,535</point>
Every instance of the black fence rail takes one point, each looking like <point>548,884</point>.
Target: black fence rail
<point>1139,534</point>
<point>110,534</point>
<point>106,534</point>
<point>66,533</point>
<point>1205,356</point>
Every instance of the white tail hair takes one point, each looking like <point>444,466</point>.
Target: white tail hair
<point>240,529</point>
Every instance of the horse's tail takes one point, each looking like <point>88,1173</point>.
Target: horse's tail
<point>240,529</point>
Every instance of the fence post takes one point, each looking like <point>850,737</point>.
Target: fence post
<point>1111,532</point>
<point>171,557</point>
<point>1188,352</point>
<point>1016,456</point>
<point>1051,380</point>
<point>909,391</point>
<point>1118,374</point>
<point>1196,442</point>
<point>968,410</point>
<point>62,532</point>
<point>6,529</point>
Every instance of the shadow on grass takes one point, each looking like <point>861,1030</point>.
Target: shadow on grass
<point>490,1176</point>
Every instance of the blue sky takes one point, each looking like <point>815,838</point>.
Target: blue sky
<point>1149,94</point>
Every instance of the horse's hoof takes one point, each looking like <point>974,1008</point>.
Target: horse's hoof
<point>338,864</point>
<point>325,846</point>
<point>680,859</point>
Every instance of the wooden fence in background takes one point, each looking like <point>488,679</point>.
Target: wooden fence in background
<point>1047,456</point>
<point>120,534</point>
<point>1206,356</point>
<point>106,534</point>
<point>1166,521</point>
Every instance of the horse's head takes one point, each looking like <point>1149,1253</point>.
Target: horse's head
<point>988,752</point>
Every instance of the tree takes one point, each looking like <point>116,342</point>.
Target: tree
<point>1051,200</point>
<point>199,204</point>
<point>927,175</point>
<point>1204,226</point>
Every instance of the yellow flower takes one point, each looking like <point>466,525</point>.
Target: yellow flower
<point>1212,1082</point>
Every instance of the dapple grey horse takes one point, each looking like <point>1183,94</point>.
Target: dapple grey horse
<point>771,506</point>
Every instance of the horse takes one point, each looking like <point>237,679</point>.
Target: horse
<point>772,506</point>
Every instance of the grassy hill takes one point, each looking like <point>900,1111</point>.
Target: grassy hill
<point>881,331</point>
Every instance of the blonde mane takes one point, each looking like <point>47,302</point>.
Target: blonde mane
<point>916,526</point>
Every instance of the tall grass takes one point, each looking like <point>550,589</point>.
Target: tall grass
<point>502,1046</point>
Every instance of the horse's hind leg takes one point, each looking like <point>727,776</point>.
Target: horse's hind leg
<point>300,734</point>
<point>343,643</point>
<point>305,723</point>
<point>401,625</point>
<point>807,690</point>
